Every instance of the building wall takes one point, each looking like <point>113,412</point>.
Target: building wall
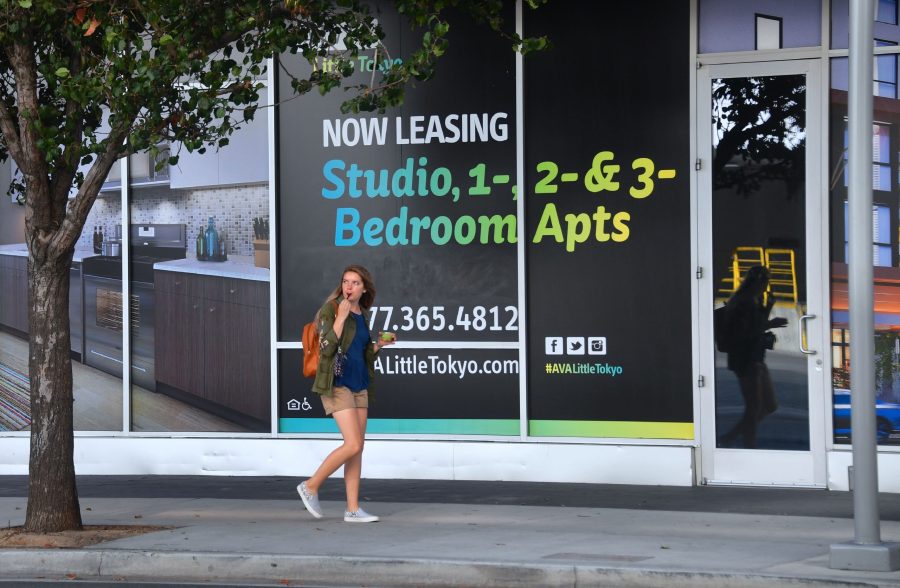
<point>603,450</point>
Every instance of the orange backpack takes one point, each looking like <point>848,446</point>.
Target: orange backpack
<point>311,347</point>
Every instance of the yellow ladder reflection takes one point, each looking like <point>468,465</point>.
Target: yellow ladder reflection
<point>782,269</point>
<point>742,259</point>
<point>783,281</point>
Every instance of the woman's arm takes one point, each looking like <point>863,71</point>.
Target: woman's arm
<point>329,330</point>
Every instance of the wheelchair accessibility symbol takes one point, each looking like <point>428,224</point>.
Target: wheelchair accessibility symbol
<point>294,404</point>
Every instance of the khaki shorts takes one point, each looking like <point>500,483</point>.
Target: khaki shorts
<point>342,399</point>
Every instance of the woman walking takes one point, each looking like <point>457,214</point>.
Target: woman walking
<point>748,325</point>
<point>344,382</point>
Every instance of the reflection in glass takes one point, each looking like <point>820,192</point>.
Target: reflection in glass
<point>886,254</point>
<point>885,26</point>
<point>759,151</point>
<point>768,32</point>
<point>726,25</point>
<point>885,73</point>
<point>745,333</point>
<point>887,12</point>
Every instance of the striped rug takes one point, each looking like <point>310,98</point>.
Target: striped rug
<point>15,406</point>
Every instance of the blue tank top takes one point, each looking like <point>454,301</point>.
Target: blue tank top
<point>356,372</point>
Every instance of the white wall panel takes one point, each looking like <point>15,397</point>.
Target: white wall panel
<point>444,460</point>
<point>888,471</point>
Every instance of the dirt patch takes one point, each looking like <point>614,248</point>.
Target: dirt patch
<point>88,535</point>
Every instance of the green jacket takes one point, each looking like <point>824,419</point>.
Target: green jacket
<point>328,346</point>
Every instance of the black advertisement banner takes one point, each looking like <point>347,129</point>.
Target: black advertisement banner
<point>422,195</point>
<point>608,221</point>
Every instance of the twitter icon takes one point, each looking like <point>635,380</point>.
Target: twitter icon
<point>574,345</point>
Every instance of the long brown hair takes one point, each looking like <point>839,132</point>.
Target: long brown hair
<point>368,297</point>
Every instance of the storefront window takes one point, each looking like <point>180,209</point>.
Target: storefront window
<point>887,12</point>
<point>726,25</point>
<point>885,27</point>
<point>759,229</point>
<point>885,72</point>
<point>15,408</point>
<point>885,224</point>
<point>200,350</point>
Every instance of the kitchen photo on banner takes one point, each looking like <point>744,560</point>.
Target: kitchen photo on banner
<point>608,223</point>
<point>421,195</point>
<point>97,394</point>
<point>200,343</point>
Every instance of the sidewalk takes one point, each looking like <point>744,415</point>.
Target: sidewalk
<point>455,543</point>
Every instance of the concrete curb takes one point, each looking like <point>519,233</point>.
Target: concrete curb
<point>132,564</point>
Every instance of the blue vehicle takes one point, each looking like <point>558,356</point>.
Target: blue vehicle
<point>887,418</point>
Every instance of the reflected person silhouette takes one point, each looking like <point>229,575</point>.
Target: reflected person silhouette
<point>747,327</point>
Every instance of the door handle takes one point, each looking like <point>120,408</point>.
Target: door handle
<point>801,330</point>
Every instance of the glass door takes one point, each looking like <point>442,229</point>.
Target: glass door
<point>761,216</point>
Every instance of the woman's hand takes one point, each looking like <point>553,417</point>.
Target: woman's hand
<point>343,310</point>
<point>340,317</point>
<point>777,322</point>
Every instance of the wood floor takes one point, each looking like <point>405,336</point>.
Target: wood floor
<point>98,400</point>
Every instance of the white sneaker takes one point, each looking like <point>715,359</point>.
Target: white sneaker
<point>310,500</point>
<point>359,516</point>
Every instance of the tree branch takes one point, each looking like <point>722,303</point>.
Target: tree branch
<point>80,206</point>
<point>21,58</point>
<point>9,130</point>
<point>63,175</point>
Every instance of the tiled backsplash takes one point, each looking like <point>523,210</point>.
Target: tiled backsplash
<point>233,209</point>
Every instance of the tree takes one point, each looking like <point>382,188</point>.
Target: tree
<point>149,72</point>
<point>759,132</point>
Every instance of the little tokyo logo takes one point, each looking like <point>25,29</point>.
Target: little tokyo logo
<point>574,346</point>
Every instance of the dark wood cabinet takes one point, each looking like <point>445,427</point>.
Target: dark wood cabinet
<point>76,310</point>
<point>21,294</point>
<point>178,345</point>
<point>14,300</point>
<point>7,300</point>
<point>14,288</point>
<point>236,371</point>
<point>212,344</point>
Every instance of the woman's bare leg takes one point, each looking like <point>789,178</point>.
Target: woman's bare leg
<point>353,466</point>
<point>348,423</point>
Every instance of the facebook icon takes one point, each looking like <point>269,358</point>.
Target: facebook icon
<point>553,346</point>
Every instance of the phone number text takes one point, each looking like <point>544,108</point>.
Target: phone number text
<point>440,318</point>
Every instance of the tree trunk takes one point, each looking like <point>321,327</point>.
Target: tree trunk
<point>52,496</point>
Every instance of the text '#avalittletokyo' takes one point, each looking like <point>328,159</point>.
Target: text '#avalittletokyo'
<point>579,368</point>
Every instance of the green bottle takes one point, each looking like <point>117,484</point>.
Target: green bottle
<point>201,245</point>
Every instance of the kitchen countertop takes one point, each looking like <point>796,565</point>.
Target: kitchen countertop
<point>20,250</point>
<point>237,266</point>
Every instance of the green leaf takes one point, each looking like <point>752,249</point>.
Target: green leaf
<point>62,72</point>
<point>25,3</point>
<point>166,39</point>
